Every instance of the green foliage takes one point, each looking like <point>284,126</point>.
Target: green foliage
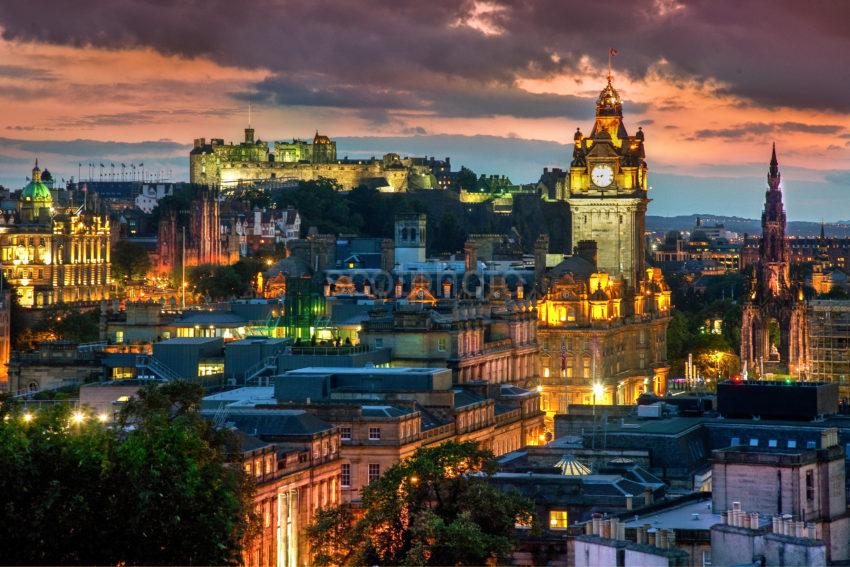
<point>467,179</point>
<point>431,509</point>
<point>159,493</point>
<point>224,282</point>
<point>321,205</point>
<point>64,322</point>
<point>130,262</point>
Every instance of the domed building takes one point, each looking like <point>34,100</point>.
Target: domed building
<point>53,253</point>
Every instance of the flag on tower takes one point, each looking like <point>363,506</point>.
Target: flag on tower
<point>612,52</point>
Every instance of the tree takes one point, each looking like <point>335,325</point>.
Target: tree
<point>64,322</point>
<point>467,179</point>
<point>130,262</point>
<point>435,508</point>
<point>157,493</point>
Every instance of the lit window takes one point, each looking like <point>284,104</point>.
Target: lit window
<point>734,442</point>
<point>374,434</point>
<point>558,519</point>
<point>754,442</point>
<point>374,472</point>
<point>771,443</point>
<point>811,445</point>
<point>345,475</point>
<point>441,344</point>
<point>792,443</point>
<point>345,433</point>
<point>523,521</point>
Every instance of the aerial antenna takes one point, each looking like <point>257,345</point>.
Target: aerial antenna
<point>249,114</point>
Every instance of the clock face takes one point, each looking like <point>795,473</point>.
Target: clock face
<point>602,175</point>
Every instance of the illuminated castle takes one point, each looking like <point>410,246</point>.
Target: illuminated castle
<point>54,252</point>
<point>217,164</point>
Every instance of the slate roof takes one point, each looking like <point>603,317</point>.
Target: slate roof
<point>278,423</point>
<point>385,411</point>
<point>192,318</point>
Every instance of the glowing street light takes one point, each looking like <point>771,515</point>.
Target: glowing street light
<point>78,417</point>
<point>102,417</point>
<point>28,417</point>
<point>598,390</point>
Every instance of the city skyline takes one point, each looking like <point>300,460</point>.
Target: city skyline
<point>460,79</point>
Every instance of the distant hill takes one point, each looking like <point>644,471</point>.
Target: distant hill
<point>742,225</point>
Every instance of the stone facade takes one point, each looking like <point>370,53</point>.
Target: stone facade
<point>772,297</point>
<point>295,476</point>
<point>228,165</point>
<point>54,252</point>
<point>606,190</point>
<point>806,485</point>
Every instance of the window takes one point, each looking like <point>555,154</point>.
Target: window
<point>374,472</point>
<point>771,443</point>
<point>345,433</point>
<point>811,445</point>
<point>558,519</point>
<point>523,521</point>
<point>269,464</point>
<point>792,443</point>
<point>441,344</point>
<point>754,442</point>
<point>810,485</point>
<point>735,441</point>
<point>345,475</point>
<point>379,343</point>
<point>374,434</point>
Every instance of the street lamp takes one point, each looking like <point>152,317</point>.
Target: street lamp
<point>598,390</point>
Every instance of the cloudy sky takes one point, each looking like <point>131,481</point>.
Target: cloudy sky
<point>498,85</point>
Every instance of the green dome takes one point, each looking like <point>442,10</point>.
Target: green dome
<point>36,190</point>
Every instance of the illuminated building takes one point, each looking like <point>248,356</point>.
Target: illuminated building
<point>606,189</point>
<point>602,317</point>
<point>54,252</point>
<point>227,165</point>
<point>294,460</point>
<point>206,240</point>
<point>772,298</point>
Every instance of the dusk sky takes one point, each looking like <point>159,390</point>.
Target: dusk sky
<point>499,86</point>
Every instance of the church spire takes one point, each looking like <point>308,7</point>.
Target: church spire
<point>773,175</point>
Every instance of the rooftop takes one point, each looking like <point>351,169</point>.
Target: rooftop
<point>691,515</point>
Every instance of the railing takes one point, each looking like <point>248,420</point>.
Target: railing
<point>91,347</point>
<point>265,365</point>
<point>147,362</point>
<point>330,350</point>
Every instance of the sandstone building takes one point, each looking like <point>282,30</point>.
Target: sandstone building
<point>54,251</point>
<point>217,164</point>
<point>772,298</point>
<point>602,314</point>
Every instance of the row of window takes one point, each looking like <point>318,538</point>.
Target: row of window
<point>345,474</point>
<point>754,442</point>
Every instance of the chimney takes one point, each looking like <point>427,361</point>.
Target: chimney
<point>470,250</point>
<point>587,250</point>
<point>387,255</point>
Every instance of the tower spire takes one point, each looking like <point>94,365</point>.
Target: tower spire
<point>773,175</point>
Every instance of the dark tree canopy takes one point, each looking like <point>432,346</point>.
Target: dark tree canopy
<point>130,262</point>
<point>434,508</point>
<point>159,493</point>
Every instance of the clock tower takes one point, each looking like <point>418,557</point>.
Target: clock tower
<point>607,192</point>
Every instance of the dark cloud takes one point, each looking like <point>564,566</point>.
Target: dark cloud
<point>753,129</point>
<point>408,53</point>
